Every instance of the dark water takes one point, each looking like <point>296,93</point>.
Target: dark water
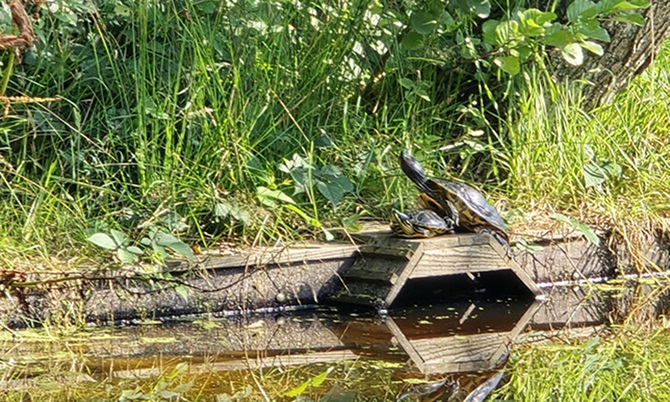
<point>432,352</point>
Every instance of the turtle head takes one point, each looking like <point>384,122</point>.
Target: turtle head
<point>412,168</point>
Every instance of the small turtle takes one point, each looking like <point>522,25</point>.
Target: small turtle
<point>421,223</point>
<point>459,202</point>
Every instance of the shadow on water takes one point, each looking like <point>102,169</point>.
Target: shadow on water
<point>439,351</point>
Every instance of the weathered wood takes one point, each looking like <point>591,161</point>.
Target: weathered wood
<point>575,260</point>
<point>423,258</point>
<point>371,274</point>
<point>458,347</point>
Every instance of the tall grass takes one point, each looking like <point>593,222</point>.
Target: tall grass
<point>180,114</point>
<point>624,368</point>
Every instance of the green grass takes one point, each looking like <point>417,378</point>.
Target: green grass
<point>625,367</point>
<point>178,114</point>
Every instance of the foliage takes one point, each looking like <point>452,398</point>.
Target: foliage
<point>255,121</point>
<point>625,367</point>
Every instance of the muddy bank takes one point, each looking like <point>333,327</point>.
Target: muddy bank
<point>274,279</point>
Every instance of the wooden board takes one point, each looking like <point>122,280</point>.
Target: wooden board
<point>386,262</point>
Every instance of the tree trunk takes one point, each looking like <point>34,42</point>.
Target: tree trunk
<point>631,50</point>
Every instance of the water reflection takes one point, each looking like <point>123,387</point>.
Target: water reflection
<point>433,352</point>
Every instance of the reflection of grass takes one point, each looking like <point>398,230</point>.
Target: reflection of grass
<point>71,382</point>
<point>161,378</point>
<point>626,367</point>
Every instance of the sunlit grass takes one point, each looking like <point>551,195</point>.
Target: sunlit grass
<point>628,366</point>
<point>164,121</point>
<point>166,378</point>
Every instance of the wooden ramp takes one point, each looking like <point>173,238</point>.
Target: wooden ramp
<point>386,263</point>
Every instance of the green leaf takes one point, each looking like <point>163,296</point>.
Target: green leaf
<point>135,250</point>
<point>580,227</point>
<point>412,41</point>
<point>223,209</point>
<point>480,8</point>
<point>507,31</point>
<point>182,388</point>
<point>529,248</point>
<point>572,53</point>
<point>635,19</point>
<point>592,47</point>
<point>593,30</point>
<point>447,20</point>
<point>423,22</point>
<point>308,219</point>
<point>351,223</point>
<point>489,32</point>
<point>406,83</point>
<point>523,53</point>
<point>319,379</point>
<point>581,10</point>
<point>103,240</point>
<point>265,195</point>
<point>165,239</point>
<point>126,256</point>
<point>422,93</point>
<point>508,64</point>
<point>593,176</point>
<point>559,39</point>
<point>328,235</point>
<point>183,292</point>
<point>531,28</point>
<point>597,173</point>
<point>618,6</point>
<point>540,17</point>
<point>182,249</point>
<point>333,193</point>
<point>160,250</point>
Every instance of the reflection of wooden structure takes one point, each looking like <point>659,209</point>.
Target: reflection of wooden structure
<point>472,348</point>
<point>475,335</point>
<point>386,263</point>
<point>569,309</point>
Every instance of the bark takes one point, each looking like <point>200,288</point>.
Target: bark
<point>20,18</point>
<point>630,52</point>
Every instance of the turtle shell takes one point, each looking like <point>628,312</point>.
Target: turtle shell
<point>473,208</point>
<point>421,223</point>
<point>466,206</point>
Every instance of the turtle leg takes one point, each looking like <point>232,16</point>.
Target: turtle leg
<point>496,235</point>
<point>452,213</point>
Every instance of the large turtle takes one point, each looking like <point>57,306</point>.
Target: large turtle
<point>461,203</point>
<point>421,223</point>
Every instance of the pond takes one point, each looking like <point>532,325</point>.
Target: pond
<point>439,351</point>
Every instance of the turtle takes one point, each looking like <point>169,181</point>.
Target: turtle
<point>421,223</point>
<point>456,201</point>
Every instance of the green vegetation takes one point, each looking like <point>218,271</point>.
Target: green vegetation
<point>253,121</point>
<point>627,367</point>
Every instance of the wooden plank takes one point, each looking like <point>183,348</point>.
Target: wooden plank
<point>404,276</point>
<point>516,268</point>
<point>362,292</point>
<point>376,269</point>
<point>458,260</point>
<point>274,256</point>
